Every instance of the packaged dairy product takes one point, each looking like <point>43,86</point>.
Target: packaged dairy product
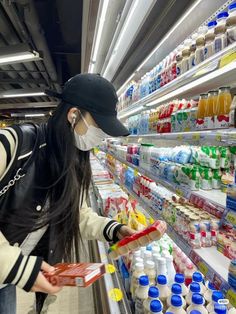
<point>153,294</point>
<point>176,289</point>
<point>193,288</point>
<point>202,104</point>
<point>220,32</point>
<point>156,307</point>
<point>219,309</point>
<point>210,40</point>
<point>186,55</point>
<point>179,278</point>
<point>200,45</point>
<point>176,305</point>
<point>141,294</point>
<point>216,296</point>
<point>188,273</point>
<point>164,291</point>
<point>170,270</point>
<point>197,277</point>
<point>162,269</point>
<point>192,51</point>
<point>197,304</point>
<point>231,24</point>
<point>138,272</point>
<point>150,272</point>
<point>147,256</point>
<point>179,59</point>
<point>209,292</point>
<point>222,110</point>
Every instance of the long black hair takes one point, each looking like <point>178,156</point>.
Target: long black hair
<point>70,176</point>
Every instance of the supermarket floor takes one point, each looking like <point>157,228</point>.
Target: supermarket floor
<point>70,300</point>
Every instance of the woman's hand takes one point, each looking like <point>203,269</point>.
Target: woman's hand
<point>124,232</point>
<point>42,284</point>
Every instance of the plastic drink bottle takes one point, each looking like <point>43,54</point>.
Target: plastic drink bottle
<point>224,101</point>
<point>195,312</point>
<point>202,106</point>
<point>156,307</point>
<point>197,304</point>
<point>179,278</point>
<point>138,272</point>
<point>208,293</point>
<point>176,305</point>
<point>176,289</point>
<point>141,294</point>
<point>219,309</point>
<point>231,24</point>
<point>216,296</point>
<point>197,277</point>
<point>210,39</point>
<point>188,273</point>
<point>153,294</point>
<point>170,270</point>
<point>194,288</point>
<point>149,270</point>
<point>164,291</point>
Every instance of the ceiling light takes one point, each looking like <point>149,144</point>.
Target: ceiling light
<point>17,53</point>
<point>21,93</point>
<point>35,115</point>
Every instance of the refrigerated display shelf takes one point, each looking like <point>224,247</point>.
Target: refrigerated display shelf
<point>214,200</point>
<point>210,262</point>
<point>218,70</point>
<point>224,136</point>
<point>111,280</point>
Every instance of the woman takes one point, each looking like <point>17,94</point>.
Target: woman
<point>44,180</point>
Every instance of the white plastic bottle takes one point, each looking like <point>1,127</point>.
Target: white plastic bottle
<point>141,294</point>
<point>231,23</point>
<point>164,291</point>
<point>220,31</point>
<point>208,293</point>
<point>156,307</point>
<point>219,309</point>
<point>200,45</point>
<point>216,296</point>
<point>138,272</point>
<point>176,289</point>
<point>193,288</point>
<point>170,270</point>
<point>147,256</point>
<point>210,40</point>
<point>150,271</point>
<point>153,294</point>
<point>188,273</point>
<point>197,277</point>
<point>162,270</point>
<point>179,278</point>
<point>176,305</point>
<point>197,304</point>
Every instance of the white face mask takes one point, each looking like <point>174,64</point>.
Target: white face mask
<point>92,138</point>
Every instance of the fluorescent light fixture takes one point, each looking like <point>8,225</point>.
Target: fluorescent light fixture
<point>17,53</point>
<point>98,34</point>
<point>30,94</point>
<point>137,109</point>
<point>31,115</point>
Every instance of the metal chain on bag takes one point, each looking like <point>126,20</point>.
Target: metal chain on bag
<point>12,182</point>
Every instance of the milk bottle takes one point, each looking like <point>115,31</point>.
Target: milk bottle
<point>153,294</point>
<point>216,296</point>
<point>176,305</point>
<point>150,271</point>
<point>164,291</point>
<point>208,293</point>
<point>138,272</point>
<point>219,309</point>
<point>197,304</point>
<point>179,278</point>
<point>194,288</point>
<point>156,307</point>
<point>197,277</point>
<point>141,294</point>
<point>176,289</point>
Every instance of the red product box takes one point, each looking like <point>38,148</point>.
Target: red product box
<point>80,274</point>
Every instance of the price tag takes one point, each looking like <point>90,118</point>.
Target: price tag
<point>179,192</point>
<point>196,137</point>
<point>232,136</point>
<point>231,296</point>
<point>180,137</point>
<point>135,172</point>
<point>110,268</point>
<point>231,217</point>
<point>230,57</point>
<point>115,294</point>
<point>203,268</point>
<point>218,138</point>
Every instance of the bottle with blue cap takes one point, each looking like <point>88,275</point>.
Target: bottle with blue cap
<point>231,24</point>
<point>210,39</point>
<point>164,291</point>
<point>216,296</point>
<point>138,272</point>
<point>176,305</point>
<point>200,45</point>
<point>155,307</point>
<point>220,309</point>
<point>197,304</point>
<point>208,294</point>
<point>193,288</point>
<point>176,289</point>
<point>141,294</point>
<point>180,279</point>
<point>220,31</point>
<point>153,294</point>
<point>197,277</point>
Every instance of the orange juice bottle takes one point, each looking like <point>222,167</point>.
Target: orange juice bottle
<point>202,106</point>
<point>224,101</point>
<point>211,103</point>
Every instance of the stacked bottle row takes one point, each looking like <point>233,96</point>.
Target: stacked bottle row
<point>207,41</point>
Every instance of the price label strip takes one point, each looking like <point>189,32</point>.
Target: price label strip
<point>231,217</point>
<point>115,294</point>
<point>231,296</point>
<point>203,268</point>
<point>230,57</point>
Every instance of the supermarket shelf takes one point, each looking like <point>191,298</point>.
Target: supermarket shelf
<point>213,198</point>
<point>111,281</point>
<point>218,70</point>
<point>226,136</point>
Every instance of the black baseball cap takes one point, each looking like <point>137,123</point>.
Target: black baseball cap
<point>96,95</point>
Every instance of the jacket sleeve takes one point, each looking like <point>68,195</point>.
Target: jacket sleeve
<point>17,269</point>
<point>95,227</point>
